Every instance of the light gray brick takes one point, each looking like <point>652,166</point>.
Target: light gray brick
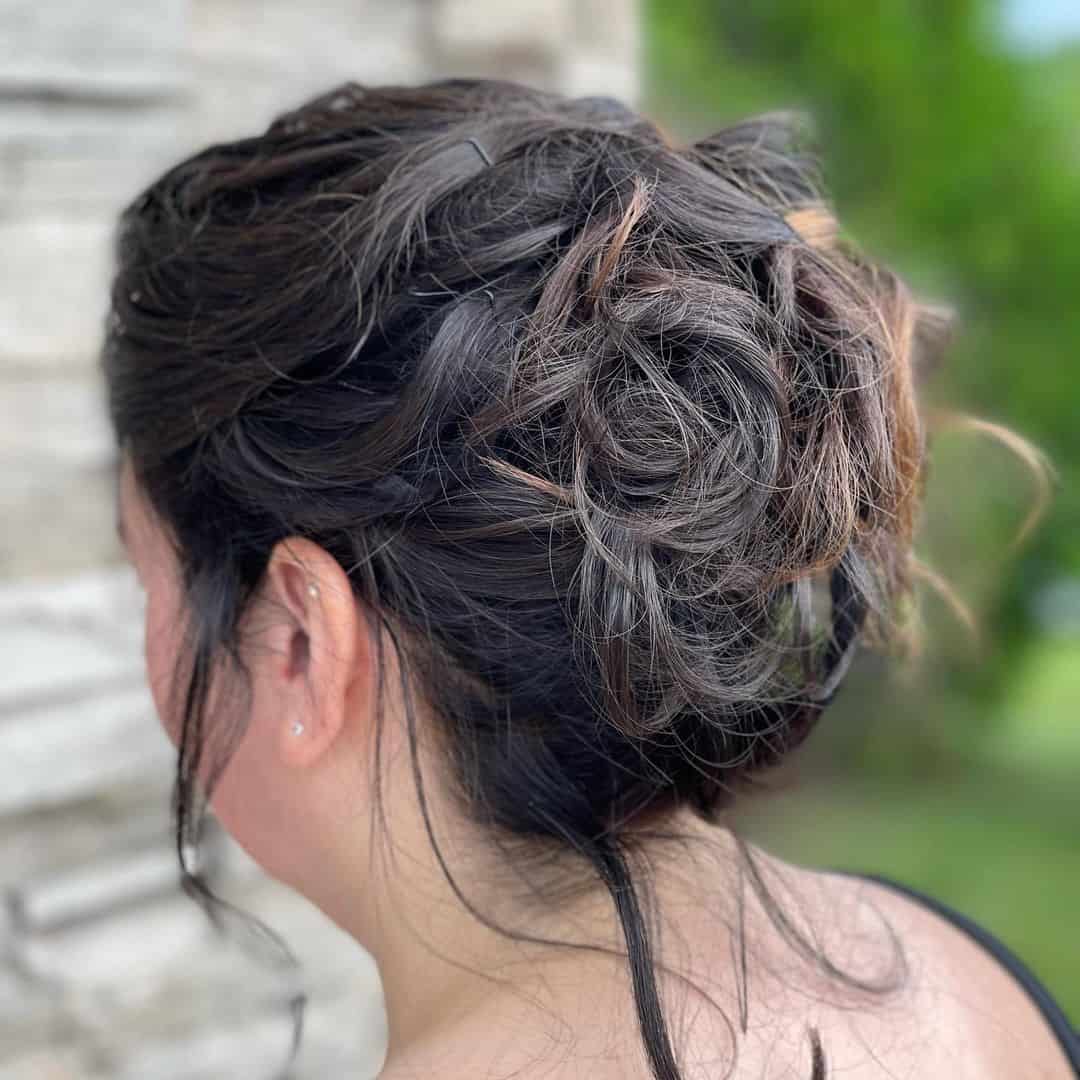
<point>46,1063</point>
<point>50,664</point>
<point>588,73</point>
<point>66,655</point>
<point>82,892</point>
<point>62,159</point>
<point>129,949</point>
<point>58,519</point>
<point>37,1037</point>
<point>471,27</point>
<point>367,40</point>
<point>53,290</point>
<point>609,28</point>
<point>188,987</point>
<point>53,755</point>
<point>104,599</point>
<point>118,48</point>
<point>97,182</point>
<point>257,1047</point>
<point>79,126</point>
<point>57,457</point>
<point>57,419</point>
<point>47,841</point>
<point>292,52</point>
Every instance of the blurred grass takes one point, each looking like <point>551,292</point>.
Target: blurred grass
<point>1039,730</point>
<point>1000,850</point>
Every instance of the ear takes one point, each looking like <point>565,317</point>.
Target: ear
<point>316,648</point>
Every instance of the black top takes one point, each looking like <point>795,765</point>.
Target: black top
<point>1055,1016</point>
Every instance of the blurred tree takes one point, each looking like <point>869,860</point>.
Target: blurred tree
<point>957,161</point>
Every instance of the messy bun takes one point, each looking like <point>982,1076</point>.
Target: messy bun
<point>616,437</point>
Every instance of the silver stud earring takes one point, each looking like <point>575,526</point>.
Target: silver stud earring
<point>313,591</point>
<point>297,728</point>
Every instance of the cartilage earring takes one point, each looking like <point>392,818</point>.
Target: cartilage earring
<point>297,728</point>
<point>313,590</point>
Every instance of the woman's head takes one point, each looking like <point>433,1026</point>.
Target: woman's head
<point>607,445</point>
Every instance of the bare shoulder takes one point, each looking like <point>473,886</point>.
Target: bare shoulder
<point>965,1013</point>
<point>939,1006</point>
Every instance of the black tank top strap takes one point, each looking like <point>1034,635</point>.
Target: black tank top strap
<point>1055,1016</point>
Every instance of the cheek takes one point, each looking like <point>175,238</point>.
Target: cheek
<point>252,800</point>
<point>162,641</point>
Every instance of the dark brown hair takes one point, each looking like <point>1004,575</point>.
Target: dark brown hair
<point>615,437</point>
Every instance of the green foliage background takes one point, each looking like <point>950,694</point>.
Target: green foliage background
<point>957,160</point>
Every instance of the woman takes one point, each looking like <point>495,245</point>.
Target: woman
<point>510,485</point>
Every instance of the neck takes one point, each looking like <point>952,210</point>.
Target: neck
<point>442,966</point>
<point>440,957</point>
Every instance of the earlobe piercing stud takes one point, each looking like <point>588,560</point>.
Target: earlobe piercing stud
<point>297,728</point>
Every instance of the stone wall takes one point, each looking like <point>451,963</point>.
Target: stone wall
<point>105,969</point>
